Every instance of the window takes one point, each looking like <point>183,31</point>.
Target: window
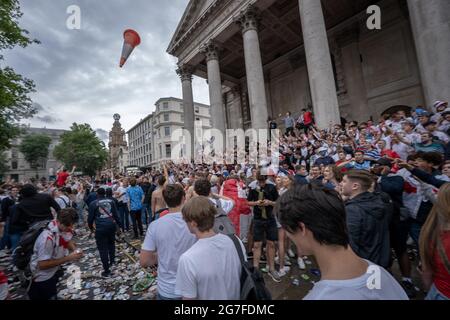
<point>168,151</point>
<point>166,117</point>
<point>14,165</point>
<point>160,151</point>
<point>165,105</point>
<point>182,118</point>
<point>197,110</point>
<point>197,119</point>
<point>166,131</point>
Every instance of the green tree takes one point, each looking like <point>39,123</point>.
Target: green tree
<point>34,148</point>
<point>15,103</point>
<point>82,147</point>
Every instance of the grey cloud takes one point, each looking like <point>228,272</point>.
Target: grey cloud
<point>102,134</point>
<point>48,119</point>
<point>76,71</point>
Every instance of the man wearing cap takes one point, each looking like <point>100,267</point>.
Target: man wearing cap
<point>423,117</point>
<point>439,107</point>
<point>324,159</point>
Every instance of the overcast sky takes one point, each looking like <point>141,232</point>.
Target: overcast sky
<point>76,71</point>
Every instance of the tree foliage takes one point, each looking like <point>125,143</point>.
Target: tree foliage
<point>15,103</point>
<point>34,148</point>
<point>81,147</point>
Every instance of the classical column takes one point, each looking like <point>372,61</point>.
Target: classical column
<point>211,51</point>
<point>238,120</point>
<point>318,60</point>
<point>185,73</point>
<point>254,69</point>
<point>430,23</point>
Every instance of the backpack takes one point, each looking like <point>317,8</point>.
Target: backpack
<point>253,286</point>
<point>222,224</point>
<point>71,204</point>
<point>22,254</point>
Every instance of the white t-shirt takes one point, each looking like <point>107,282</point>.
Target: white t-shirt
<point>170,237</point>
<point>441,136</point>
<point>63,201</point>
<point>227,205</point>
<point>47,247</point>
<point>359,288</point>
<point>401,149</point>
<point>124,198</point>
<point>210,270</point>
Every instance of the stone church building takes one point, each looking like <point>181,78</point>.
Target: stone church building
<point>117,146</point>
<point>263,58</point>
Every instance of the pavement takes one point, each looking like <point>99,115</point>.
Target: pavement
<point>127,272</point>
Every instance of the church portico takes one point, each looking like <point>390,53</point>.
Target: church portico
<point>295,54</point>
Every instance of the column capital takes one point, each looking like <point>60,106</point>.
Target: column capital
<point>211,50</point>
<point>249,18</point>
<point>185,72</point>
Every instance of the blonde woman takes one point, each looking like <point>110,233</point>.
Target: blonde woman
<point>435,248</point>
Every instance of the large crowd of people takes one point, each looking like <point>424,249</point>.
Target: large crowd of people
<point>354,196</point>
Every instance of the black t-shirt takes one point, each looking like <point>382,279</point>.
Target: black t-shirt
<point>269,192</point>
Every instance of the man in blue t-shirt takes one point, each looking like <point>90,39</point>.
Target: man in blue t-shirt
<point>358,163</point>
<point>135,199</point>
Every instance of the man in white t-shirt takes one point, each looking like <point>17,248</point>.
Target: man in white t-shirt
<point>50,252</point>
<point>211,268</point>
<point>166,240</point>
<point>314,219</point>
<point>202,187</point>
<point>122,196</point>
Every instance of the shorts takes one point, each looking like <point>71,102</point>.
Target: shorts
<point>267,228</point>
<point>44,290</point>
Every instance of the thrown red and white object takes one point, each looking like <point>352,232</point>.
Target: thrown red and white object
<point>131,41</point>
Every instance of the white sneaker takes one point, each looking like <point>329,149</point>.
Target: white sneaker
<point>291,253</point>
<point>283,271</point>
<point>287,262</point>
<point>301,264</point>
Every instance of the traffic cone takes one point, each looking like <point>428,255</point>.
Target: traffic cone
<point>131,41</point>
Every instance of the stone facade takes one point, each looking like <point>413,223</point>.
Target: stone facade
<point>118,149</point>
<point>19,168</point>
<point>151,139</point>
<point>277,56</point>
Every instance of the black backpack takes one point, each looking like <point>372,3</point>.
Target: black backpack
<point>253,286</point>
<point>22,254</point>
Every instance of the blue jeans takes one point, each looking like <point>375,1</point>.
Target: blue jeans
<point>435,294</point>
<point>5,241</point>
<point>80,216</point>
<point>106,244</point>
<point>160,297</point>
<point>124,217</point>
<point>146,214</point>
<point>15,239</point>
